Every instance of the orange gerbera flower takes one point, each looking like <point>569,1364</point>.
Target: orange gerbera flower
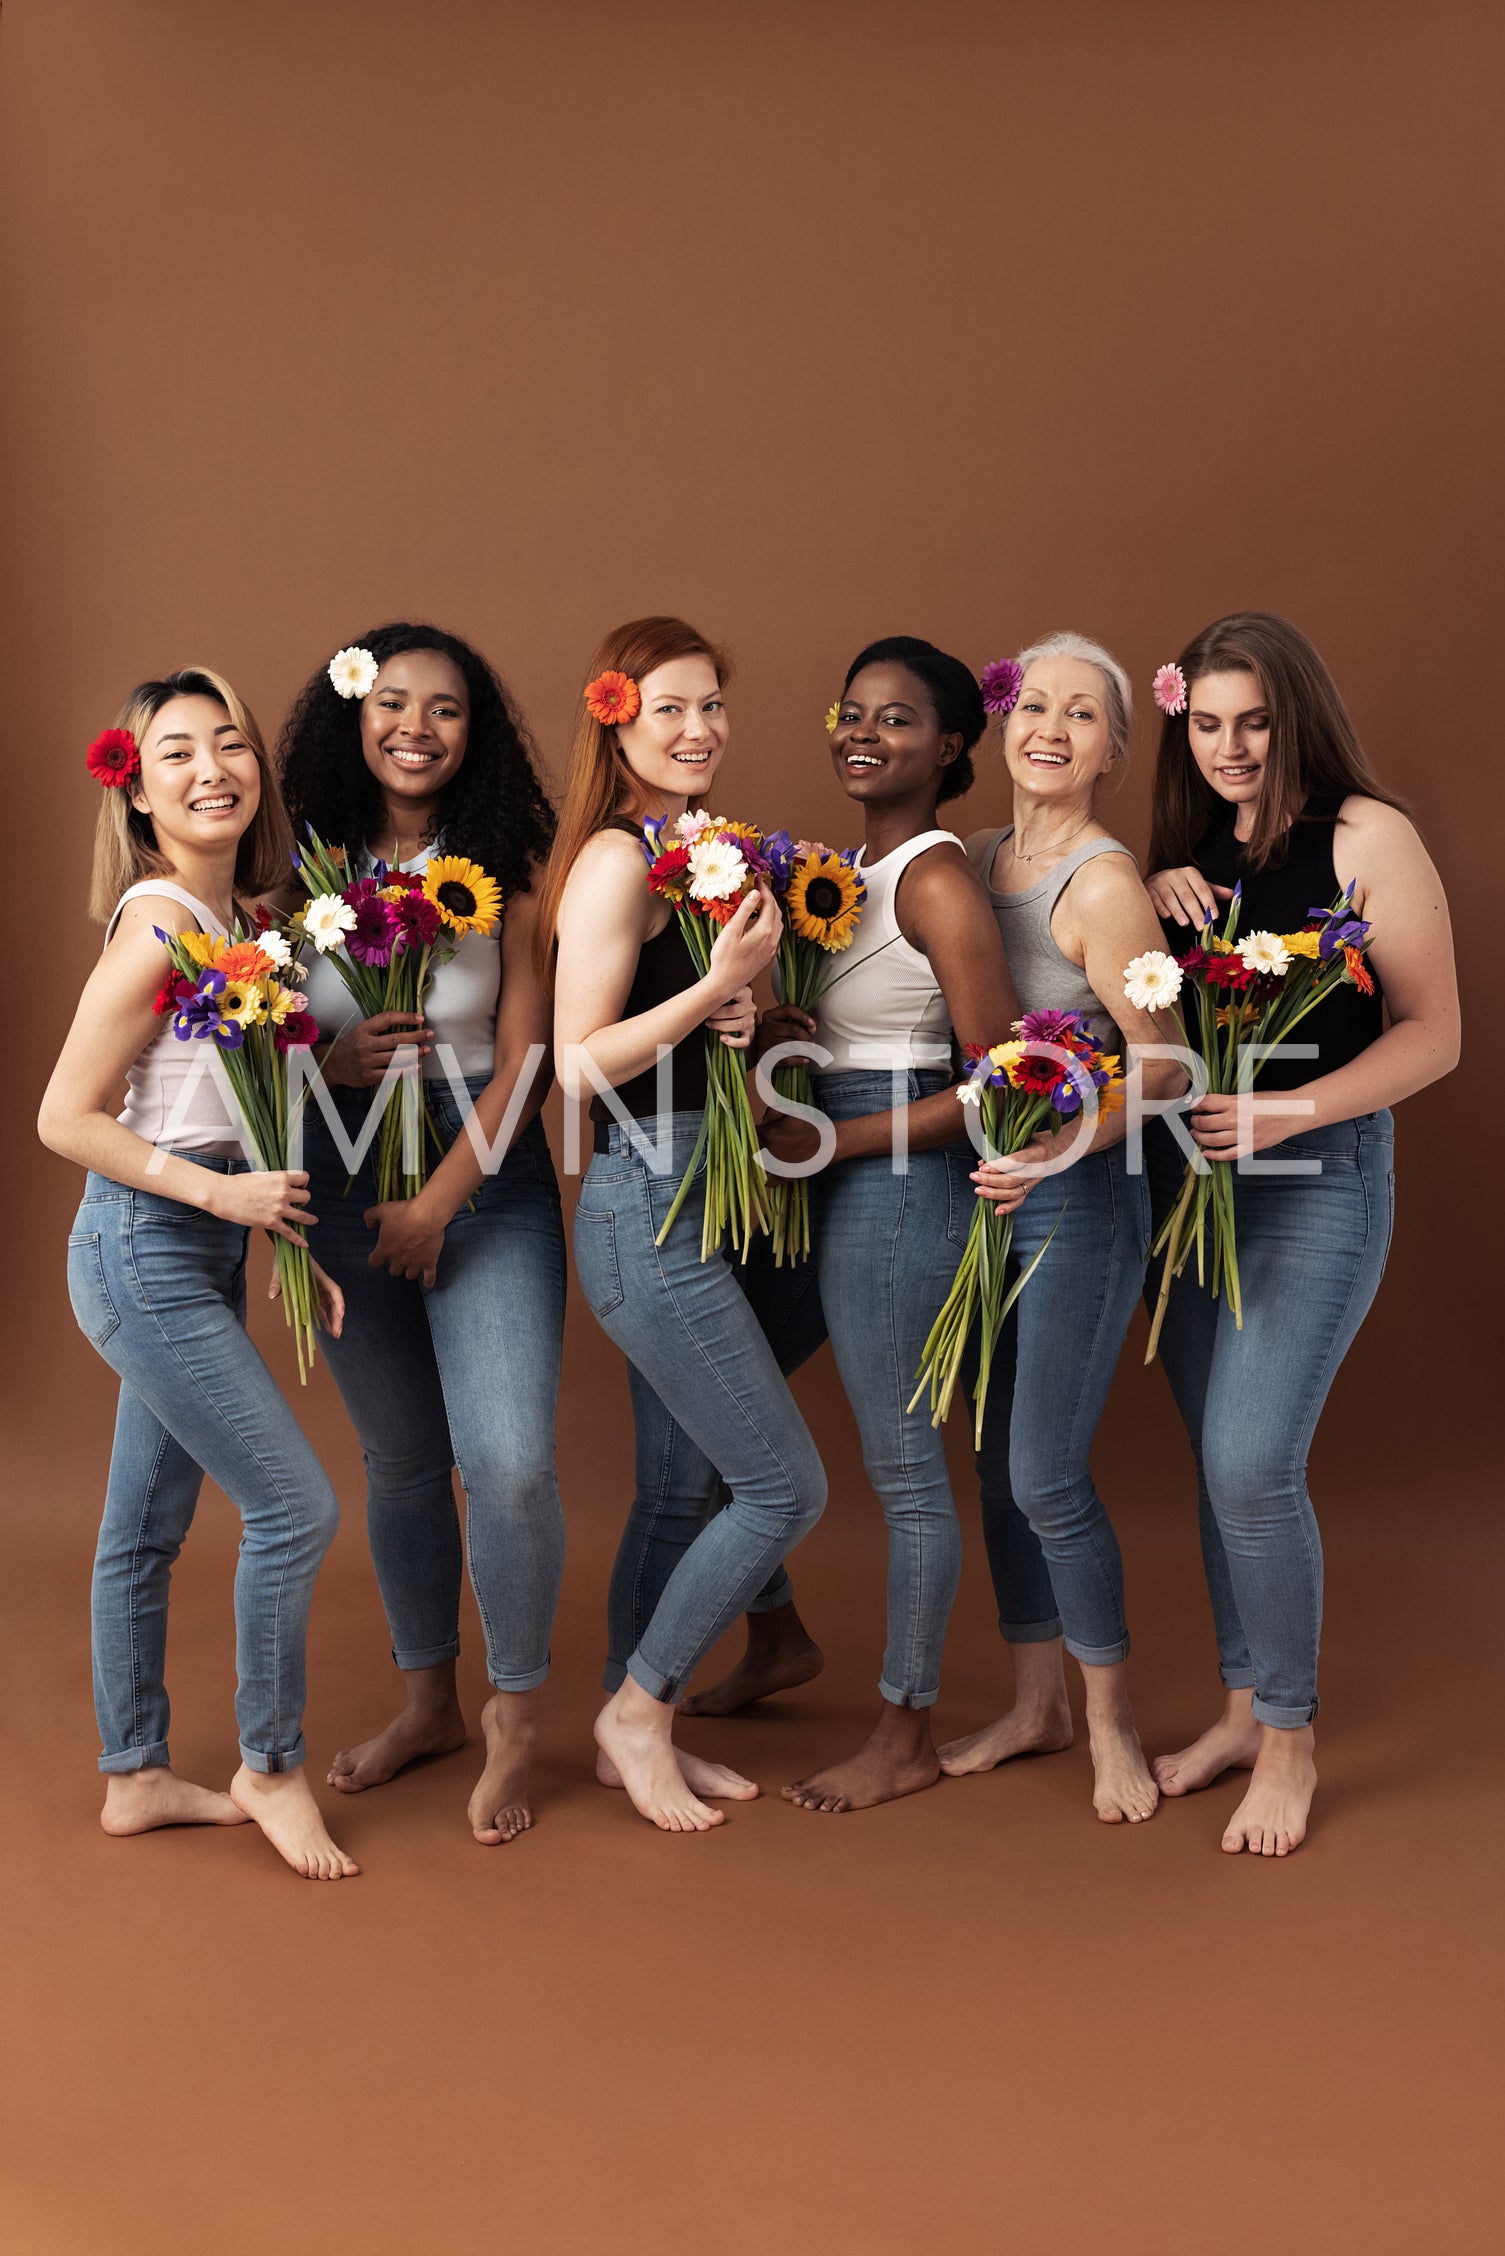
<point>1358,971</point>
<point>612,698</point>
<point>244,961</point>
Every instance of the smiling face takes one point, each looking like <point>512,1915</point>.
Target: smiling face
<point>414,726</point>
<point>675,745</point>
<point>1057,740</point>
<point>200,779</point>
<point>888,741</point>
<point>1228,728</point>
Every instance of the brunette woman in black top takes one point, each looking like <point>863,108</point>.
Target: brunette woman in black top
<point>1261,781</point>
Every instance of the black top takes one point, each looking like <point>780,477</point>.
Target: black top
<point>665,968</point>
<point>1281,898</point>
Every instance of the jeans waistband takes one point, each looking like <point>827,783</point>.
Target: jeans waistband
<point>611,1136</point>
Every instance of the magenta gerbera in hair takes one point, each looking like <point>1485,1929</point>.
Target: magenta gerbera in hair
<point>1001,684</point>
<point>1169,690</point>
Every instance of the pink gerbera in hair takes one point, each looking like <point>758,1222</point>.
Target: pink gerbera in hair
<point>1169,690</point>
<point>1001,684</point>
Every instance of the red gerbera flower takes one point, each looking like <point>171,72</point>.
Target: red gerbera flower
<point>1358,971</point>
<point>112,758</point>
<point>174,989</point>
<point>667,871</point>
<point>612,698</point>
<point>1039,1075</point>
<point>296,1032</point>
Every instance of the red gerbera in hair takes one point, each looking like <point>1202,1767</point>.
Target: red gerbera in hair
<point>612,698</point>
<point>112,758</point>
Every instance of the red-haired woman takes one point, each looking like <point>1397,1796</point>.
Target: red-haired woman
<point>1261,781</point>
<point>628,995</point>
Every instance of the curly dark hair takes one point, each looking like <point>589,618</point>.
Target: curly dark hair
<point>494,808</point>
<point>953,693</point>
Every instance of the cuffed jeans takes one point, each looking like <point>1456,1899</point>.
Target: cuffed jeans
<point>1054,1557</point>
<point>888,1247</point>
<point>160,1290</point>
<point>686,1327</point>
<point>1311,1252</point>
<point>463,1373</point>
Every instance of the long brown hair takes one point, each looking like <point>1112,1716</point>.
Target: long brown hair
<point>125,840</point>
<point>598,782</point>
<point>1314,752</point>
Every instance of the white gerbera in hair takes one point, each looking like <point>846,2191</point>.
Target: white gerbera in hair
<point>326,920</point>
<point>1152,980</point>
<point>353,671</point>
<point>1266,952</point>
<point>717,869</point>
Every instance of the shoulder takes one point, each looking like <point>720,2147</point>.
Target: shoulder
<point>941,886</point>
<point>1106,878</point>
<point>147,914</point>
<point>1370,820</point>
<point>611,871</point>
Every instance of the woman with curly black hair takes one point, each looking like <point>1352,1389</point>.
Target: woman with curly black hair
<point>409,747</point>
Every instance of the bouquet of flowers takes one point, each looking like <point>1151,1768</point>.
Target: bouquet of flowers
<point>704,872</point>
<point>1020,1088</point>
<point>822,896</point>
<point>238,994</point>
<point>386,935</point>
<point>1254,990</point>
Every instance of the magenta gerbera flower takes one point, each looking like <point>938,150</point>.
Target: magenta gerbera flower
<point>371,939</point>
<point>416,920</point>
<point>1001,684</point>
<point>1051,1026</point>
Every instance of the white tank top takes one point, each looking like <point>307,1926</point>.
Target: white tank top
<point>171,1096</point>
<point>882,1006</point>
<point>461,1003</point>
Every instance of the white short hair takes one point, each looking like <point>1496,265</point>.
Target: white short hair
<point>1118,697</point>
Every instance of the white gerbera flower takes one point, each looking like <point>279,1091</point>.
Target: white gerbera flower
<point>717,869</point>
<point>1267,952</point>
<point>326,920</point>
<point>969,1093</point>
<point>353,671</point>
<point>1152,980</point>
<point>274,946</point>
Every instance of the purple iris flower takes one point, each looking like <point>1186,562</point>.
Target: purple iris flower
<point>201,1016</point>
<point>778,850</point>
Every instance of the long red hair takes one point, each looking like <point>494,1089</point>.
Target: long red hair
<point>598,782</point>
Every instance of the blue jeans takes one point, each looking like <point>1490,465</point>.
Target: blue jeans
<point>677,1487</point>
<point>160,1290</point>
<point>1054,1557</point>
<point>461,1373</point>
<point>687,1328</point>
<point>1311,1251</point>
<point>888,1247</point>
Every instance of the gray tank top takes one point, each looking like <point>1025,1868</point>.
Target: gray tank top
<point>1043,978</point>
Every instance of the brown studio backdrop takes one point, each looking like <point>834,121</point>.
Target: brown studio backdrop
<point>813,322</point>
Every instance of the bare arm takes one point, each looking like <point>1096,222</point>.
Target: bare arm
<point>1103,921</point>
<point>112,1026</point>
<point>605,917</point>
<point>1396,890</point>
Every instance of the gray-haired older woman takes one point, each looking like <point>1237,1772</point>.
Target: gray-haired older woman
<point>1073,912</point>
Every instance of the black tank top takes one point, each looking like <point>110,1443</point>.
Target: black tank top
<point>1281,898</point>
<point>665,968</point>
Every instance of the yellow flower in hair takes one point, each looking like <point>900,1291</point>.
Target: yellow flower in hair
<point>466,898</point>
<point>824,900</point>
<point>833,715</point>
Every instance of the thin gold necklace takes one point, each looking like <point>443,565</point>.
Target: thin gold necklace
<point>1058,847</point>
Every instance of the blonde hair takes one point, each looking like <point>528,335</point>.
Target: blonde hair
<point>125,842</point>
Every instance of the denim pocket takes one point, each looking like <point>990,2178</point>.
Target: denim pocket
<point>961,1202</point>
<point>596,1260</point>
<point>87,1290</point>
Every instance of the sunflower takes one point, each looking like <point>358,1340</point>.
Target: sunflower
<point>466,898</point>
<point>824,898</point>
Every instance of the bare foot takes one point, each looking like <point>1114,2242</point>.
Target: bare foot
<point>632,1731</point>
<point>896,1758</point>
<point>712,1781</point>
<point>499,1806</point>
<point>282,1804</point>
<point>1271,1819</point>
<point>1022,1731</point>
<point>137,1801</point>
<point>778,1657</point>
<point>417,1732</point>
<point>1121,1783</point>
<point>1231,1744</point>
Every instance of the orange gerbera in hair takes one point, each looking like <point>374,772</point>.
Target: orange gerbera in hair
<point>612,698</point>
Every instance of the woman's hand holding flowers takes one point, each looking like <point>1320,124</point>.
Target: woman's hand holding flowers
<point>360,1057</point>
<point>1221,1135</point>
<point>746,944</point>
<point>1004,1180</point>
<point>785,1022</point>
<point>1186,895</point>
<point>331,1299</point>
<point>735,1019</point>
<point>271,1200</point>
